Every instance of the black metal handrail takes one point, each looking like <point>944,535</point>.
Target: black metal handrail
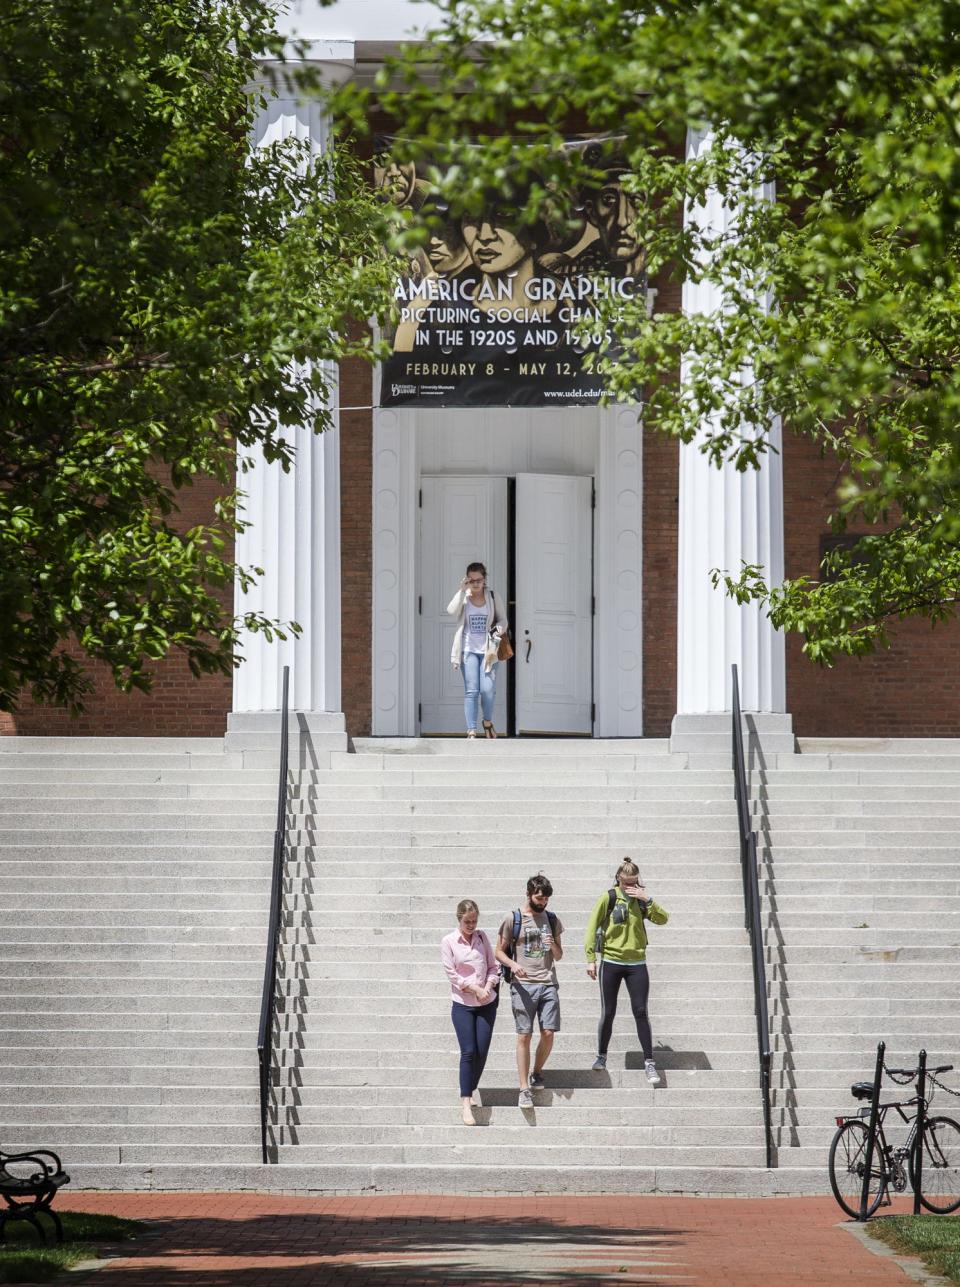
<point>751,905</point>
<point>268,996</point>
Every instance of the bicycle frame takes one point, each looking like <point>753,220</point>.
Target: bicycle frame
<point>891,1158</point>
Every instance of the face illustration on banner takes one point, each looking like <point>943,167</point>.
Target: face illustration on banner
<point>494,247</point>
<point>614,212</point>
<point>446,250</point>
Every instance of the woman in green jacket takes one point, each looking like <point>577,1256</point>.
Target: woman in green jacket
<point>617,934</point>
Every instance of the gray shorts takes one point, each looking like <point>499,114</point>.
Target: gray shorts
<point>535,1001</point>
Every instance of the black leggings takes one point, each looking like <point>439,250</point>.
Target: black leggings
<point>638,985</point>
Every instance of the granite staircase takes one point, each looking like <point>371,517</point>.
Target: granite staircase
<point>383,849</point>
<point>860,876</point>
<point>134,880</point>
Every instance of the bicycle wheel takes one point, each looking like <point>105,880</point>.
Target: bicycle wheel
<point>848,1155</point>
<point>940,1178</point>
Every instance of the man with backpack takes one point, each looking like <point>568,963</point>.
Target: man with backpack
<point>528,947</point>
<point>617,935</point>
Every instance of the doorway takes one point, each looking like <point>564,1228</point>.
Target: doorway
<point>535,535</point>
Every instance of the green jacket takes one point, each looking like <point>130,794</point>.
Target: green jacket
<point>627,942</point>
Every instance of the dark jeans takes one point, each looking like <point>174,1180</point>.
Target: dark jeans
<point>474,1028</point>
<point>612,975</point>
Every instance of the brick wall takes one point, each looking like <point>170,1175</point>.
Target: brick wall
<point>661,483</point>
<point>178,704</point>
<point>912,690</point>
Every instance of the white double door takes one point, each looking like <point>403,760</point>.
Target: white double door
<point>465,520</point>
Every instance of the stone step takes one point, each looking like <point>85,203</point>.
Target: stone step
<point>52,793</point>
<point>780,825</point>
<point>502,1127</point>
<point>521,756</point>
<point>780,839</point>
<point>832,787</point>
<point>476,1156</point>
<point>841,812</point>
<point>895,765</point>
<point>500,1109</point>
<point>119,773</point>
<point>243,808</point>
<point>159,760</point>
<point>237,816</point>
<point>650,748</point>
<point>545,810</point>
<point>326,839</point>
<point>143,972</point>
<point>457,778</point>
<point>500,1178</point>
<point>80,840</point>
<point>832,944</point>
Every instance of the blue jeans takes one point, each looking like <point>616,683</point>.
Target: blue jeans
<point>473,1025</point>
<point>478,687</point>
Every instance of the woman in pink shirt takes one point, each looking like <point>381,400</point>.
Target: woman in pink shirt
<point>474,975</point>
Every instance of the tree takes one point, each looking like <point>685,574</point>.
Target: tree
<point>851,108</point>
<point>160,292</point>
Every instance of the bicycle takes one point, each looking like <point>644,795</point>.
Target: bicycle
<point>894,1167</point>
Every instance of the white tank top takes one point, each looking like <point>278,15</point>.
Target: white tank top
<point>475,625</point>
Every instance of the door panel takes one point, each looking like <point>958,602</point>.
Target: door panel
<point>554,628</point>
<point>462,520</point>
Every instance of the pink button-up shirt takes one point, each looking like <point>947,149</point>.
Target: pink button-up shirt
<point>468,962</point>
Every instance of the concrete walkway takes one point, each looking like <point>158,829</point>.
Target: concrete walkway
<point>259,1240</point>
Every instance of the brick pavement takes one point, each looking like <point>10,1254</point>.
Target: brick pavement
<point>260,1240</point>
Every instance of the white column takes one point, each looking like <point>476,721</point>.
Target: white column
<point>726,517</point>
<point>395,473</point>
<point>294,517</point>
<point>618,576</point>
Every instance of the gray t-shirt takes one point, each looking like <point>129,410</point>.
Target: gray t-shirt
<point>529,951</point>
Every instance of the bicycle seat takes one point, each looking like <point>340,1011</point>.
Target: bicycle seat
<point>862,1090</point>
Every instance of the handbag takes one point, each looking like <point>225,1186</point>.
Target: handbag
<point>504,647</point>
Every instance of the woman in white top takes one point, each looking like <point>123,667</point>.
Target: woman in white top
<point>481,627</point>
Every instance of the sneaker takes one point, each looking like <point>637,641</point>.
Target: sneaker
<point>653,1077</point>
<point>536,1081</point>
<point>525,1100</point>
<point>600,1063</point>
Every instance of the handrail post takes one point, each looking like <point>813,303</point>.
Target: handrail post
<point>921,1129</point>
<point>871,1133</point>
<point>268,994</point>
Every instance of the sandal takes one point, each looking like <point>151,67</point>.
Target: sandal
<point>471,732</point>
<point>488,729</point>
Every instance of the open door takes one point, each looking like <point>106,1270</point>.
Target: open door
<point>553,633</point>
<point>462,520</point>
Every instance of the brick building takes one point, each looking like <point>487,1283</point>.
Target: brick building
<point>365,540</point>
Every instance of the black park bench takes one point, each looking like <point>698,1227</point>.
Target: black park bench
<point>28,1184</point>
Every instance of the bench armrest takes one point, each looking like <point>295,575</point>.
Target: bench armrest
<point>49,1172</point>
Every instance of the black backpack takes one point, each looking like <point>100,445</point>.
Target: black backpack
<point>517,922</point>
